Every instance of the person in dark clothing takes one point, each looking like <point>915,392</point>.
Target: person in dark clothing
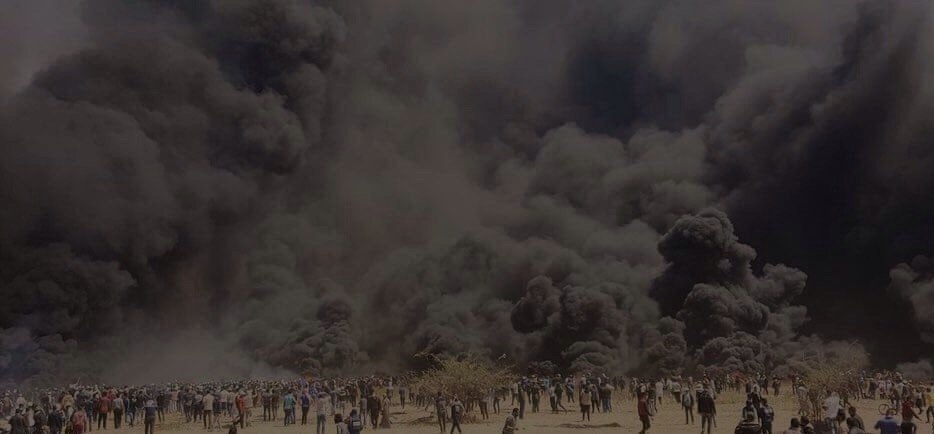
<point>687,402</point>
<point>707,410</point>
<point>305,402</point>
<point>440,404</point>
<point>56,420</point>
<point>748,425</point>
<point>149,417</point>
<point>40,420</point>
<point>857,420</point>
<point>766,416</point>
<point>354,423</point>
<point>457,413</point>
<point>18,423</point>
<point>908,427</point>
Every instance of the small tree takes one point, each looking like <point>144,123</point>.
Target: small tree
<point>833,367</point>
<point>469,378</point>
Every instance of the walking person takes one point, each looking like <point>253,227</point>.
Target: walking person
<point>288,409</point>
<point>766,416</point>
<point>440,412</point>
<point>457,412</point>
<point>687,402</point>
<point>584,400</point>
<point>149,417</point>
<point>117,406</point>
<point>207,414</point>
<point>642,409</point>
<point>305,402</point>
<point>707,409</point>
<point>321,412</point>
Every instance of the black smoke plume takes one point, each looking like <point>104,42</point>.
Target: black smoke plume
<point>338,186</point>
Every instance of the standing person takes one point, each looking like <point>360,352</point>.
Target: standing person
<point>887,425</point>
<point>149,417</point>
<point>857,420</point>
<point>117,405</point>
<point>929,402</point>
<point>642,409</point>
<point>512,422</point>
<point>267,405</point>
<point>457,412</point>
<point>103,408</point>
<point>606,396</point>
<point>795,427</point>
<point>18,422</point>
<point>240,404</point>
<point>375,406</point>
<point>535,397</point>
<point>354,423</point>
<point>559,393</point>
<point>830,407</point>
<point>766,416</point>
<point>675,388</point>
<point>908,427</point>
<point>748,425</point>
<point>218,402</point>
<point>908,412</point>
<point>288,408</point>
<point>594,398</point>
<point>207,403</point>
<point>440,405</point>
<point>552,398</point>
<point>521,398</point>
<point>363,410</point>
<point>79,421</point>
<point>131,405</point>
<point>160,405</point>
<point>851,428</point>
<point>339,426</point>
<point>321,412</point>
<point>806,426</point>
<point>56,419</point>
<point>384,413</point>
<point>707,409</point>
<point>484,404</point>
<point>687,402</point>
<point>305,402</point>
<point>584,400</point>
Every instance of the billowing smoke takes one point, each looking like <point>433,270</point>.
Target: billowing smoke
<point>334,186</point>
<point>915,283</point>
<point>920,371</point>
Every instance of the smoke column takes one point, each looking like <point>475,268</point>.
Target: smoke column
<point>288,185</point>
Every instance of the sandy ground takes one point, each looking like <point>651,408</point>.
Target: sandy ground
<point>670,420</point>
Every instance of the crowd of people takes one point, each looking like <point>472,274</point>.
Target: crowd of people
<point>348,406</point>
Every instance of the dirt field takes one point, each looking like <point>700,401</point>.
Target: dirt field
<point>670,420</point>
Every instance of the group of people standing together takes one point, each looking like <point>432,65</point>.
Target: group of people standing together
<point>348,406</point>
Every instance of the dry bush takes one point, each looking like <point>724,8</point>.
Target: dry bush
<point>835,367</point>
<point>469,378</point>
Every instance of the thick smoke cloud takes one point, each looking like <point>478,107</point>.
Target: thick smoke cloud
<point>334,186</point>
<point>915,283</point>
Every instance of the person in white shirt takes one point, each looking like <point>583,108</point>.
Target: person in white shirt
<point>830,408</point>
<point>322,406</point>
